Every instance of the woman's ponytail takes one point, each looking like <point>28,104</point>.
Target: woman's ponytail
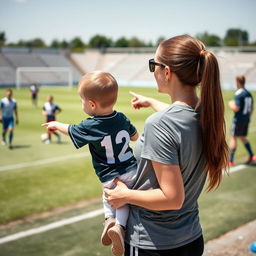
<point>194,66</point>
<point>212,120</point>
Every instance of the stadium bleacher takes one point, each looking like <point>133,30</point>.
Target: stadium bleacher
<point>58,60</point>
<point>130,67</point>
<point>87,61</point>
<point>10,60</point>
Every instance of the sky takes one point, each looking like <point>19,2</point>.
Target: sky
<point>146,19</point>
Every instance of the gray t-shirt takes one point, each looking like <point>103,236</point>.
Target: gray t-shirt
<point>172,136</point>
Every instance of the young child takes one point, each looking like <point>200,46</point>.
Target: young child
<point>50,110</point>
<point>108,134</point>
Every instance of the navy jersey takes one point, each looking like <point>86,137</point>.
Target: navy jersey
<point>108,138</point>
<point>244,100</point>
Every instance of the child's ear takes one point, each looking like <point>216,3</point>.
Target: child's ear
<point>92,104</point>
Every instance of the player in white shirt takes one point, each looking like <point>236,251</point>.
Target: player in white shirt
<point>34,93</point>
<point>50,110</point>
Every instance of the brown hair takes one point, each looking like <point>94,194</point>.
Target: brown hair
<point>99,86</point>
<point>187,58</point>
<point>240,80</point>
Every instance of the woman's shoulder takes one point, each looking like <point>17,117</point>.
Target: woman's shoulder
<point>172,114</point>
<point>174,119</point>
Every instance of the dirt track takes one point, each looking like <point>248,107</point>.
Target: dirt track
<point>233,243</point>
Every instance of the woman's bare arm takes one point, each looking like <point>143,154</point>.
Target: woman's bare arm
<point>139,101</point>
<point>170,195</point>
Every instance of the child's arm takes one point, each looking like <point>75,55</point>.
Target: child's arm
<point>54,125</point>
<point>135,137</point>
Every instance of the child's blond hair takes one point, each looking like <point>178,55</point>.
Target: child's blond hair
<point>99,86</point>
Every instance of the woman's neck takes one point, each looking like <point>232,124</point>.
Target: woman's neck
<point>186,96</point>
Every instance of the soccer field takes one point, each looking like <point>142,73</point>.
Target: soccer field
<point>228,207</point>
<point>36,177</point>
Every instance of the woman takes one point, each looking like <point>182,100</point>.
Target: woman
<point>182,144</point>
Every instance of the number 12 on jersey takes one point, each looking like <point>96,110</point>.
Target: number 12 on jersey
<point>107,144</point>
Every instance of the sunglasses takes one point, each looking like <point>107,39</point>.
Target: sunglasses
<point>152,65</point>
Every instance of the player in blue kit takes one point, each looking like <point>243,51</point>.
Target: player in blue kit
<point>242,105</point>
<point>8,108</point>
<point>108,134</point>
<point>50,110</point>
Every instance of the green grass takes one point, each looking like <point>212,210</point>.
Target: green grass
<point>30,190</point>
<point>231,205</point>
<point>226,208</point>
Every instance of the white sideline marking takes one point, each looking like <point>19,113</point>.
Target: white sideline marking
<point>54,159</point>
<point>238,168</point>
<point>41,162</point>
<point>71,220</point>
<point>53,225</point>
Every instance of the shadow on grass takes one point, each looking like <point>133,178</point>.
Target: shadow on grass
<point>252,164</point>
<point>20,146</point>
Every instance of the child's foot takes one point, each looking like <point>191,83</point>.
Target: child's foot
<point>116,234</point>
<point>109,223</point>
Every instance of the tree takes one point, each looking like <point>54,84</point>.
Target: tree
<point>77,44</point>
<point>236,37</point>
<point>100,42</point>
<point>121,42</point>
<point>252,43</point>
<point>150,44</point>
<point>159,40</point>
<point>38,43</point>
<point>2,38</point>
<point>55,44</point>
<point>209,39</point>
<point>64,44</point>
<point>135,42</point>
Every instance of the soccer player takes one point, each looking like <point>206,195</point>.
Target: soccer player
<point>50,110</point>
<point>34,93</point>
<point>7,108</point>
<point>108,134</point>
<point>242,105</point>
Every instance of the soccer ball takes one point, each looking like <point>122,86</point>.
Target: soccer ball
<point>44,138</point>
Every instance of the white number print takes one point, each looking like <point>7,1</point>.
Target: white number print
<point>107,144</point>
<point>247,105</point>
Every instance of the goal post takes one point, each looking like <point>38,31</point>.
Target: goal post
<point>27,70</point>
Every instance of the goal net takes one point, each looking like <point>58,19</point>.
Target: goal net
<point>44,76</point>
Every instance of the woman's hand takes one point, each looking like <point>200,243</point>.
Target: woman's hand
<point>117,197</point>
<point>139,101</point>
